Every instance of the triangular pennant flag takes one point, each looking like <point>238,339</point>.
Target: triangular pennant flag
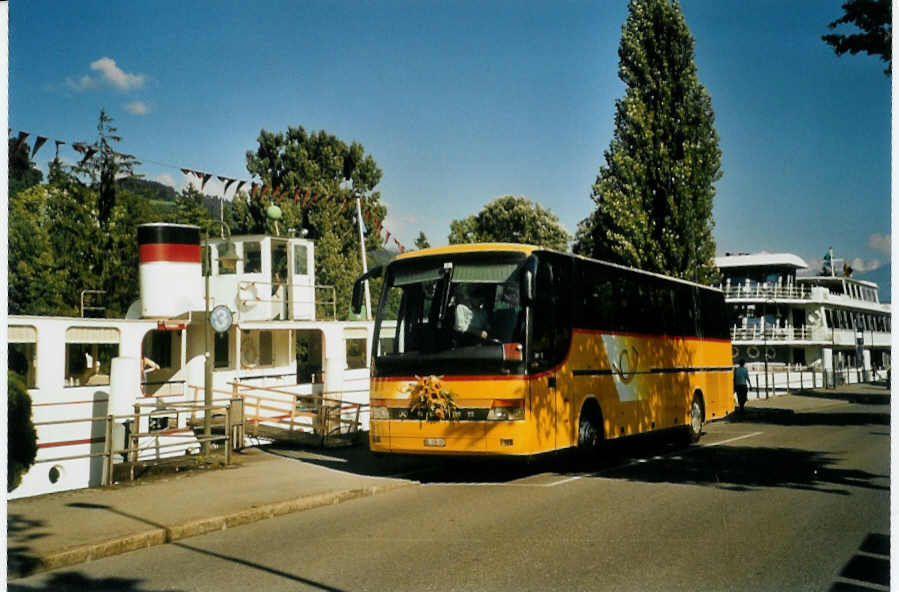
<point>276,193</point>
<point>187,171</point>
<point>40,141</point>
<point>22,137</point>
<point>265,189</point>
<point>90,152</point>
<point>206,177</point>
<point>387,238</point>
<point>227,181</point>
<point>79,147</point>
<point>239,185</point>
<point>296,195</point>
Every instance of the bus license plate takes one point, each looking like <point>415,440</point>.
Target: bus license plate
<point>436,442</point>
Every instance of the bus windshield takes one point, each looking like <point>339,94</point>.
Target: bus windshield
<point>468,310</point>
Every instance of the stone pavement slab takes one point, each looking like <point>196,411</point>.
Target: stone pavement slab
<point>61,529</point>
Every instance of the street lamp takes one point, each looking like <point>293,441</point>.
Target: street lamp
<point>220,320</point>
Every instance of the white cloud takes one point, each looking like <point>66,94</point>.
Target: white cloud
<point>137,108</point>
<point>110,74</point>
<point>116,76</point>
<point>166,179</point>
<point>83,83</point>
<point>880,242</point>
<point>860,266</point>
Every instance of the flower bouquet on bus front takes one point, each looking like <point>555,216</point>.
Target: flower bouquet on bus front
<point>429,400</point>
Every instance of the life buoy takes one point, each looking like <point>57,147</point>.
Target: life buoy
<point>769,353</point>
<point>249,357</point>
<point>752,351</point>
<point>247,295</point>
<point>736,353</point>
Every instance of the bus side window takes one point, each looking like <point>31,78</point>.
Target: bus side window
<point>552,312</point>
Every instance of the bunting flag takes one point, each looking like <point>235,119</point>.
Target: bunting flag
<point>227,181</point>
<point>88,153</point>
<point>40,141</point>
<point>370,219</point>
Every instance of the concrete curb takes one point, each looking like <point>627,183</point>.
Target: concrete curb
<point>192,528</point>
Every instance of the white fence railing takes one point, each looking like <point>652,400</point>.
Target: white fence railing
<point>782,380</point>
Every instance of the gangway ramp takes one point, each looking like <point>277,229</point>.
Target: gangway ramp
<point>284,415</point>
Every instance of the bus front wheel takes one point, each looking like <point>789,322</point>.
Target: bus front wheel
<point>589,433</point>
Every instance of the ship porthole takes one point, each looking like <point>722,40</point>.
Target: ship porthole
<point>56,473</point>
<point>752,352</point>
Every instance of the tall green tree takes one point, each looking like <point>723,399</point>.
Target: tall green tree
<point>22,437</point>
<point>103,164</point>
<point>22,171</point>
<point>334,173</point>
<point>511,219</point>
<point>422,241</point>
<point>655,192</point>
<point>874,19</point>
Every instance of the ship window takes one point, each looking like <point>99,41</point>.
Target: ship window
<point>355,352</point>
<point>205,260</point>
<point>157,346</point>
<point>222,350</point>
<point>265,348</point>
<point>252,257</point>
<point>88,364</point>
<point>227,268</point>
<point>300,266</point>
<point>279,263</point>
<point>21,352</point>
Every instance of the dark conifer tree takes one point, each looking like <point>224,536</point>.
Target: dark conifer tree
<point>654,194</point>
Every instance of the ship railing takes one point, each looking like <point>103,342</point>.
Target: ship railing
<point>252,292</point>
<point>277,410</point>
<point>754,291</point>
<point>132,452</point>
<point>772,334</point>
<point>787,378</point>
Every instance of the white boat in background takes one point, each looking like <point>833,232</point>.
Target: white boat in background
<point>832,326</point>
<point>276,342</point>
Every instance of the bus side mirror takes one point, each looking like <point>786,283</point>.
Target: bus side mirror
<point>356,302</point>
<point>357,297</point>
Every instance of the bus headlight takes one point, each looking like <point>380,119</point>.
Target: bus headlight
<point>506,410</point>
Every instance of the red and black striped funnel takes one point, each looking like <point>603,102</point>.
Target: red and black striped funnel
<point>170,270</point>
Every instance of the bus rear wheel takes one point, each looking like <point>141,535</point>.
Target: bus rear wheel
<point>694,429</point>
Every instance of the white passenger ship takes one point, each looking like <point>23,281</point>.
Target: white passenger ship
<point>276,340</point>
<point>828,323</point>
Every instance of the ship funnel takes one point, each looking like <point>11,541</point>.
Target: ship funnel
<point>170,273</point>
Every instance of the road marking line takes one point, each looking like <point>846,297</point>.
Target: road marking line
<point>753,434</point>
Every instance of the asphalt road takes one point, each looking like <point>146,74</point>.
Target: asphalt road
<point>782,499</point>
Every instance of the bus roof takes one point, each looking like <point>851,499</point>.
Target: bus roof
<point>469,248</point>
<point>527,250</point>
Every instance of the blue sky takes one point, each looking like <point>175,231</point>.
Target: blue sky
<point>462,102</point>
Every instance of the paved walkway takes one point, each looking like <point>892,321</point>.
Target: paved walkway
<point>62,529</point>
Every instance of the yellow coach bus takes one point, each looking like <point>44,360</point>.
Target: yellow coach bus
<point>507,349</point>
